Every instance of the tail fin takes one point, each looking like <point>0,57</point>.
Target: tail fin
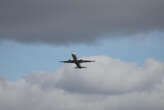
<point>80,67</point>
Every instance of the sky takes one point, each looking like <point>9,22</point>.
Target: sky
<point>124,37</point>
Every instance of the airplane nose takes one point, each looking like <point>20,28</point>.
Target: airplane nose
<point>73,53</point>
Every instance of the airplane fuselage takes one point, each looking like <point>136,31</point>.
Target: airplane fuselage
<point>76,60</point>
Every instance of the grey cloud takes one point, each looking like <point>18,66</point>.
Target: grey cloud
<point>43,91</point>
<point>3,82</point>
<point>80,21</point>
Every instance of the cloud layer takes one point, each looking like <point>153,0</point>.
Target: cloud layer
<point>106,84</point>
<point>111,76</point>
<point>77,21</point>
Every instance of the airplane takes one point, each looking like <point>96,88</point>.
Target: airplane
<point>77,62</point>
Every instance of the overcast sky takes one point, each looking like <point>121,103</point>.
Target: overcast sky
<point>124,37</point>
<point>61,22</point>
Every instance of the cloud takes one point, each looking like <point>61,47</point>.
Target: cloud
<point>63,22</point>
<point>111,76</point>
<point>106,84</point>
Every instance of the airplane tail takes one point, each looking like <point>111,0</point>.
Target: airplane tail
<point>80,67</point>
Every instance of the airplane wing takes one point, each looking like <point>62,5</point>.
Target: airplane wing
<point>68,61</point>
<point>85,61</point>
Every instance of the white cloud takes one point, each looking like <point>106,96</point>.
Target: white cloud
<point>106,84</point>
<point>111,76</point>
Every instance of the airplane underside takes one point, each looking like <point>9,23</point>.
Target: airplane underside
<point>77,62</point>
